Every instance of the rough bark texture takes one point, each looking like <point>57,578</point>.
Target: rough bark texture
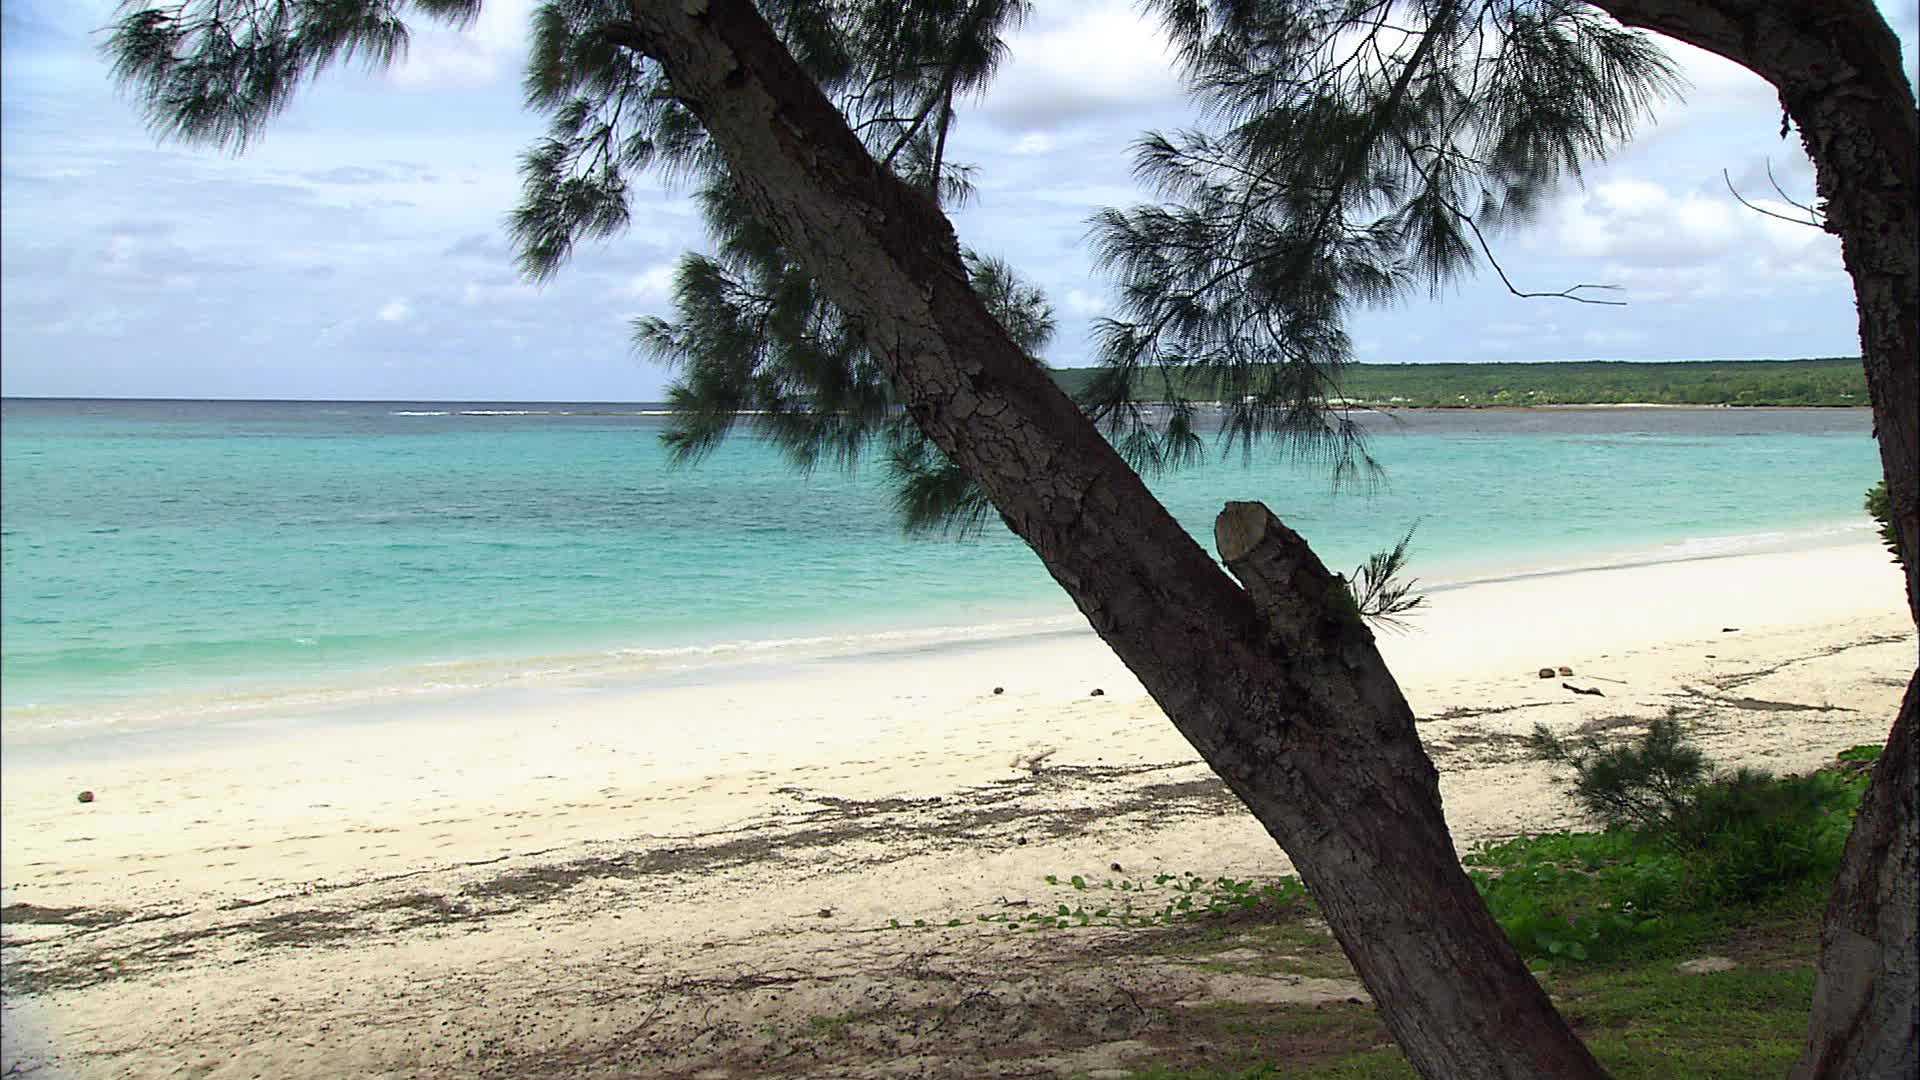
<point>1864,1019</point>
<point>1837,68</point>
<point>1282,692</point>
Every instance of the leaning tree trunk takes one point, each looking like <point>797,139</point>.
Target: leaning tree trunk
<point>1277,684</point>
<point>1837,67</point>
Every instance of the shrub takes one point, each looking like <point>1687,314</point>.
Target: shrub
<point>1684,847</point>
<point>1759,835</point>
<point>1645,785</point>
<point>1880,506</point>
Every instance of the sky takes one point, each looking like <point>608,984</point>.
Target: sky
<point>357,250</point>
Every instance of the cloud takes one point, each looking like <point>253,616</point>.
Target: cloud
<point>1640,221</point>
<point>482,245</point>
<point>497,289</point>
<point>1104,57</point>
<point>1645,231</point>
<point>1034,142</point>
<point>395,311</point>
<point>655,283</point>
<point>439,57</point>
<point>1613,339</point>
<point>1083,303</point>
<point>350,174</point>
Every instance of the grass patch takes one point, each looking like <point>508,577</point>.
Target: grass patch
<point>1642,1020</point>
<point>1607,917</point>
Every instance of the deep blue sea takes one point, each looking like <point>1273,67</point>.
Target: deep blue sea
<point>231,552</point>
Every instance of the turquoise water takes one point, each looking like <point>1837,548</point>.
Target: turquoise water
<point>164,548</point>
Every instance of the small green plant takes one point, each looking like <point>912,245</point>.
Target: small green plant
<point>1648,784</point>
<point>1863,754</point>
<point>1381,592</point>
<point>1880,506</point>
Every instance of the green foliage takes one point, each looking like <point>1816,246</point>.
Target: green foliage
<point>1825,382</point>
<point>1684,849</point>
<point>1649,784</point>
<point>754,337</point>
<point>215,73</point>
<point>1354,154</point>
<point>1865,753</point>
<point>1880,507</point>
<point>1381,590</point>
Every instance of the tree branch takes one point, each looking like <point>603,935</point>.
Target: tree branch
<point>1571,293</point>
<point>1813,221</point>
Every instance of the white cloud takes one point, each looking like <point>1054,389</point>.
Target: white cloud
<point>1641,221</point>
<point>441,57</point>
<point>1649,233</point>
<point>395,311</point>
<point>1106,56</point>
<point>496,292</point>
<point>654,283</point>
<point>1034,142</point>
<point>1715,84</point>
<point>1082,302</point>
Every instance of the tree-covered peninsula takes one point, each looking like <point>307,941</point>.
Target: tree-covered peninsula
<point>1832,381</point>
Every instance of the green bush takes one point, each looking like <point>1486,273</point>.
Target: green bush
<point>1684,849</point>
<point>1646,785</point>
<point>1880,506</point>
<point>1758,835</point>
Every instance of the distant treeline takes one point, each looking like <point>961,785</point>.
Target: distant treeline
<point>1832,381</point>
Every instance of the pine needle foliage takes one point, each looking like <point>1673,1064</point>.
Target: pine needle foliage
<point>1649,783</point>
<point>214,72</point>
<point>1351,153</point>
<point>1382,592</point>
<point>754,340</point>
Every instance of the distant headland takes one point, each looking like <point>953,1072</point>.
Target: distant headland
<point>1828,382</point>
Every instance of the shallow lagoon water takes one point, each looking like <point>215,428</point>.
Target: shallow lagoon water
<point>162,556</point>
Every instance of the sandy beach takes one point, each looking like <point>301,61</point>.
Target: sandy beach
<point>709,878</point>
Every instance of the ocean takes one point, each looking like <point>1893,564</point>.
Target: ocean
<point>165,562</point>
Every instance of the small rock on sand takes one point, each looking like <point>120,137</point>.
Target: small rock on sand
<point>1565,670</point>
<point>999,690</point>
<point>1546,673</point>
<point>1097,692</point>
<point>86,796</point>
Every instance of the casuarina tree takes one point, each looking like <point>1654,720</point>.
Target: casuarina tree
<point>1361,148</point>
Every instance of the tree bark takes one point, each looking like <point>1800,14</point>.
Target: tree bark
<point>1278,685</point>
<point>1836,65</point>
<point>1864,1020</point>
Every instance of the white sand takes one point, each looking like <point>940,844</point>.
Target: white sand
<point>499,886</point>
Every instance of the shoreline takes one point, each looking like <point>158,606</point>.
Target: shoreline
<point>590,873</point>
<point>437,686</point>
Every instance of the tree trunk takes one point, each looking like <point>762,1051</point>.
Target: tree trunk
<point>1277,685</point>
<point>1837,67</point>
<point>1864,1025</point>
